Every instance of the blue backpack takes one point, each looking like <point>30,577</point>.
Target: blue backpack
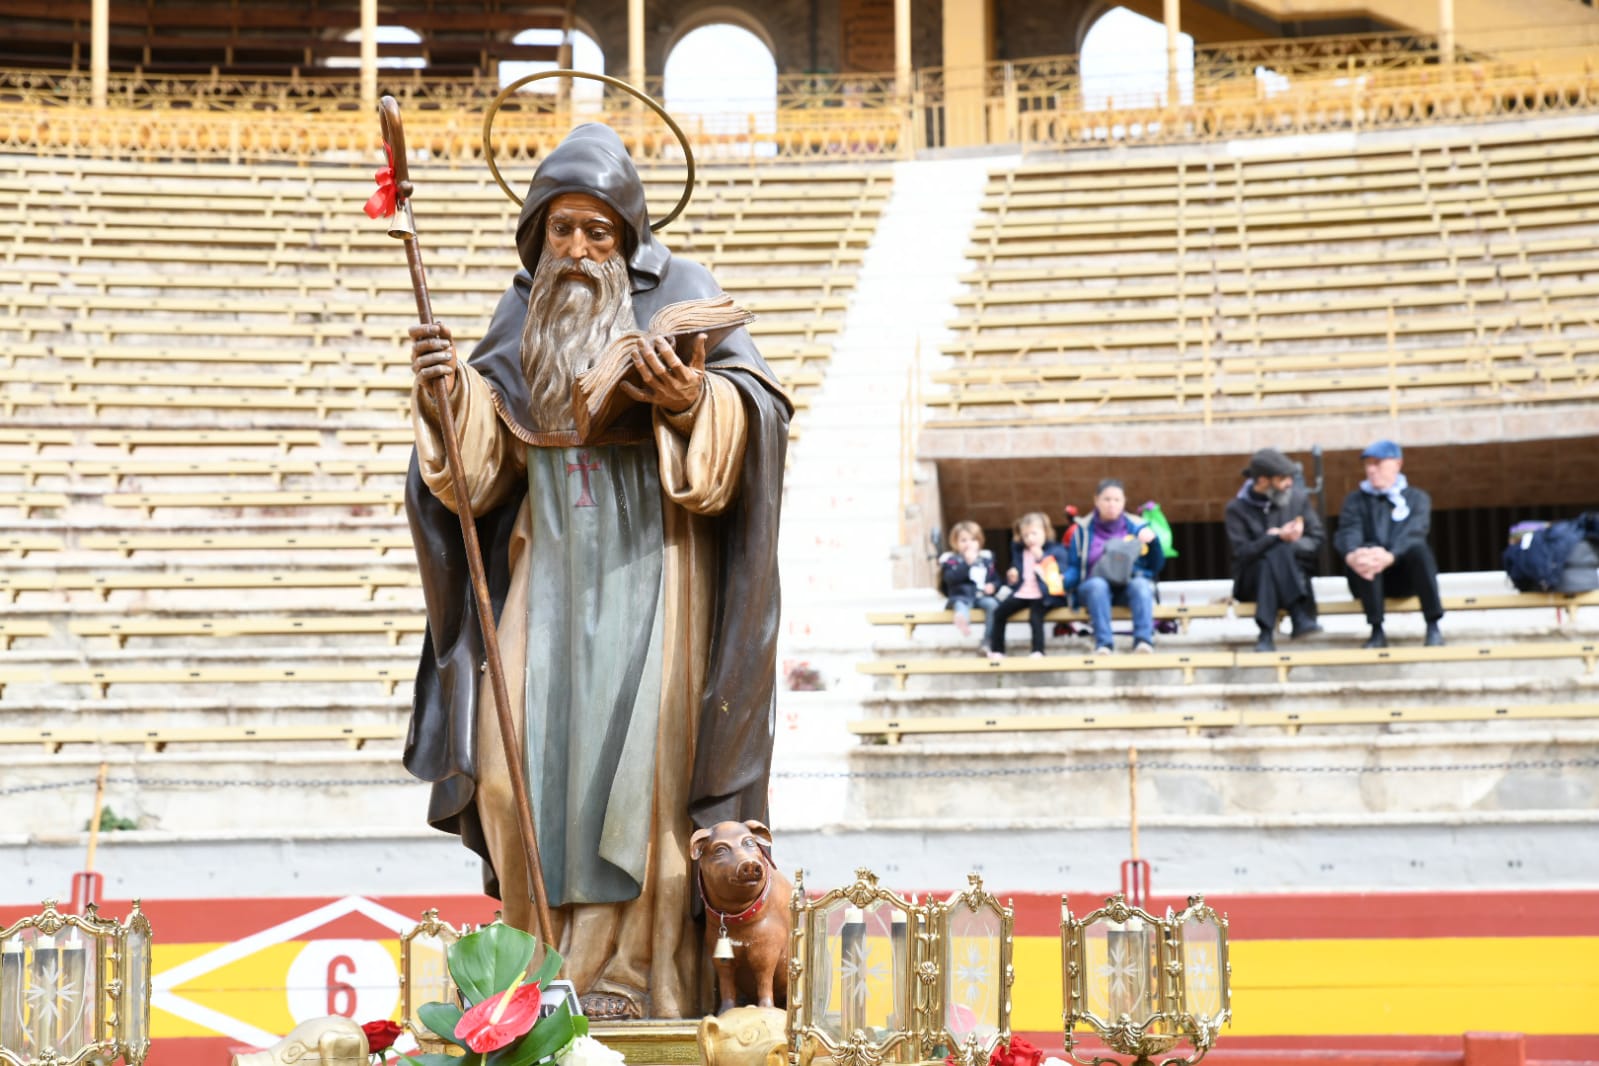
<point>1554,557</point>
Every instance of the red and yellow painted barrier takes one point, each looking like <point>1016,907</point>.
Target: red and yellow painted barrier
<point>1356,971</point>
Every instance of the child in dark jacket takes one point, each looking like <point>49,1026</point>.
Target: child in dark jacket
<point>1035,582</point>
<point>967,576</point>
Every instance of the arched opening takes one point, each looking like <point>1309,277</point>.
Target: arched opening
<point>721,80</point>
<point>586,56</point>
<point>1124,63</point>
<point>384,35</point>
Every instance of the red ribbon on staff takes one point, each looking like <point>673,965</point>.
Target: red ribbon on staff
<point>382,203</point>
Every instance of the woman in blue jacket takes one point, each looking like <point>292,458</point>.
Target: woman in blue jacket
<point>1109,523</point>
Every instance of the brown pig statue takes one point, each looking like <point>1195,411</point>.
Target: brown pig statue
<point>747,918</point>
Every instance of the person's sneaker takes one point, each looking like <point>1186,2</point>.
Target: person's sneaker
<point>1036,655</point>
<point>1062,629</point>
<point>1104,649</point>
<point>1378,638</point>
<point>1435,637</point>
<point>1265,643</point>
<point>1144,647</point>
<point>995,656</point>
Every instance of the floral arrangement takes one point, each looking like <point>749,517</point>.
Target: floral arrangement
<point>500,1024</point>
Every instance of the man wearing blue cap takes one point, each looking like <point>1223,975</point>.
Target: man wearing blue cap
<point>1382,535</point>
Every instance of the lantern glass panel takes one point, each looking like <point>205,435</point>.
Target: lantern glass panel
<point>852,982</point>
<point>135,1008</point>
<point>1202,969</point>
<point>13,990</point>
<point>78,991</point>
<point>428,978</point>
<point>1122,969</point>
<point>973,948</point>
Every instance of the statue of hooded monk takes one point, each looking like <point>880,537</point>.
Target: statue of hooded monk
<point>634,576</point>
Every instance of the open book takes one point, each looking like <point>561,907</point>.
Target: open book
<point>598,394</point>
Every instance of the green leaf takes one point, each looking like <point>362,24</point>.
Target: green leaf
<point>548,968</point>
<point>547,1037</point>
<point>442,1018</point>
<point>435,1058</point>
<point>485,963</point>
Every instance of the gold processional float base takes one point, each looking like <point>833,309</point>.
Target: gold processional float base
<point>651,1043</point>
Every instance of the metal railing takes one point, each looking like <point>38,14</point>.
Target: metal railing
<point>1242,89</point>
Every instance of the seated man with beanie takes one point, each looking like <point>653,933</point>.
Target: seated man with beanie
<point>1275,535</point>
<point>1382,537</point>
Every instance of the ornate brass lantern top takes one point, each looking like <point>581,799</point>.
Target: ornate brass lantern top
<point>74,988</point>
<point>1142,983</point>
<point>425,974</point>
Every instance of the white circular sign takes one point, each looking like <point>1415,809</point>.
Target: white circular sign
<point>355,978</point>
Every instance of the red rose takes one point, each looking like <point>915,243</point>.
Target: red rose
<point>1018,1053</point>
<point>499,1019</point>
<point>380,1036</point>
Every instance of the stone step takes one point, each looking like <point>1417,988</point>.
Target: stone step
<point>1188,779</point>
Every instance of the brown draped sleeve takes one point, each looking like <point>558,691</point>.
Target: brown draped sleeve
<point>495,460</point>
<point>702,449</point>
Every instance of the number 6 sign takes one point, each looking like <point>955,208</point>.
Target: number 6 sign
<point>354,978</point>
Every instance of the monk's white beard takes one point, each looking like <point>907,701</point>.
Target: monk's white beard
<point>570,323</point>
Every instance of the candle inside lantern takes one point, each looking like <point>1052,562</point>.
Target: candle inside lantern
<point>1129,968</point>
<point>76,995</point>
<point>852,949</point>
<point>44,983</point>
<point>900,945</point>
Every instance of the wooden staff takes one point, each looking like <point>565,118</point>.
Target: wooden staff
<point>402,225</point>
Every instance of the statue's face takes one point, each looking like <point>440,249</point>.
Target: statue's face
<point>579,226</point>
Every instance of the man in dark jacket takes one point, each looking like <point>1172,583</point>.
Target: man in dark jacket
<point>1382,537</point>
<point>1275,534</point>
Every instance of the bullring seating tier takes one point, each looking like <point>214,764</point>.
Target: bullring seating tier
<point>204,376</point>
<point>1391,277</point>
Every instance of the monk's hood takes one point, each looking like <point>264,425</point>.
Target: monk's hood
<point>593,161</point>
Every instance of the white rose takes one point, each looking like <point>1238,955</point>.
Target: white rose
<point>586,1051</point>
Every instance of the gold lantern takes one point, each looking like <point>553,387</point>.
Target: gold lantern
<point>853,956</point>
<point>967,1013</point>
<point>425,976</point>
<point>75,989</point>
<point>1144,984</point>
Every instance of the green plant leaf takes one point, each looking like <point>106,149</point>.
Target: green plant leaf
<point>547,1037</point>
<point>548,968</point>
<point>485,963</point>
<point>442,1018</point>
<point>435,1058</point>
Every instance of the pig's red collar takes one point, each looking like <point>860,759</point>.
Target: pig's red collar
<point>747,914</point>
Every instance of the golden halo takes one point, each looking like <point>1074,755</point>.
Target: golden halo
<point>688,153</point>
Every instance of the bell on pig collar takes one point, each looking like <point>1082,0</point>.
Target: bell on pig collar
<point>724,946</point>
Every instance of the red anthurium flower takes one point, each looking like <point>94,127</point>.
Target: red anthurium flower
<point>1018,1053</point>
<point>500,1019</point>
<point>380,1036</point>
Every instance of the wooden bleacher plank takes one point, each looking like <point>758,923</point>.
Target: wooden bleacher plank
<point>1186,662</point>
<point>101,678</point>
<point>131,439</point>
<point>158,739</point>
<point>120,629</point>
<point>127,544</point>
<point>893,729</point>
